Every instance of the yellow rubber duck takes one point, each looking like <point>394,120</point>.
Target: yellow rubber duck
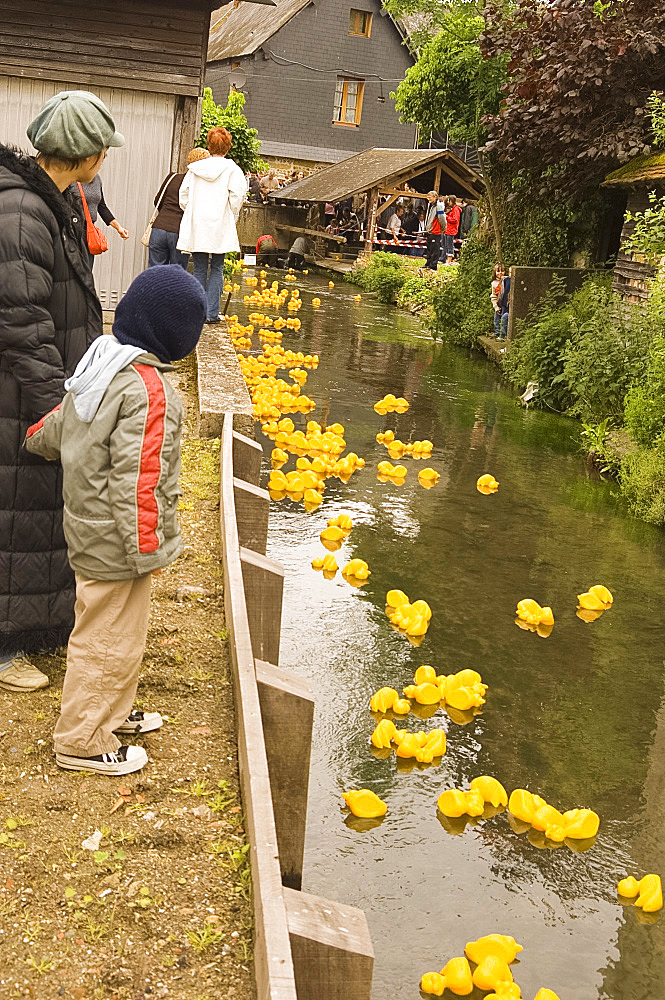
<point>357,298</point>
<point>581,824</point>
<point>454,803</point>
<point>332,534</point>
<point>487,484</point>
<point>597,598</point>
<point>650,898</point>
<point>522,804</point>
<point>456,975</point>
<point>492,791</point>
<point>402,706</point>
<point>425,675</point>
<point>364,803</point>
<point>383,735</point>
<point>435,745</point>
<point>532,613</point>
<point>396,598</point>
<point>545,994</point>
<point>383,700</point>
<point>316,303</point>
<point>501,946</point>
<point>330,565</point>
<point>545,817</point>
<point>432,982</point>
<point>490,972</point>
<point>357,568</point>
<point>317,562</point>
<point>428,475</point>
<point>312,498</point>
<point>427,694</point>
<point>628,887</point>
<point>410,744</point>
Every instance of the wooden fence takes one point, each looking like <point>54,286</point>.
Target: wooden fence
<point>305,947</point>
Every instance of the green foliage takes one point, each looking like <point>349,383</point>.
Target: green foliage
<point>648,235</point>
<point>582,353</point>
<point>544,232</point>
<point>451,86</point>
<point>656,111</point>
<point>645,403</point>
<point>246,143</point>
<point>384,274</point>
<point>462,307</point>
<point>643,484</point>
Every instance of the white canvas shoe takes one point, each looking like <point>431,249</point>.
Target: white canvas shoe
<point>141,722</point>
<point>123,761</point>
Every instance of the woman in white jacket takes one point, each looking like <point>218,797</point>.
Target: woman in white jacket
<point>211,196</point>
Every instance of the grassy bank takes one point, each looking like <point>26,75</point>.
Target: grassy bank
<point>402,281</point>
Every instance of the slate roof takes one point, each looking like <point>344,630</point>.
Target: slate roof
<point>240,30</point>
<point>376,168</point>
<point>295,151</point>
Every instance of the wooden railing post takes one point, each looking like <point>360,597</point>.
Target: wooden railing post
<point>287,711</point>
<point>333,958</point>
<point>263,581</point>
<point>252,506</point>
<point>247,456</point>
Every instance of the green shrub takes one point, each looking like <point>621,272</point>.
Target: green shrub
<point>384,273</point>
<point>645,403</point>
<point>536,354</point>
<point>246,142</point>
<point>584,354</point>
<point>462,307</point>
<point>643,484</point>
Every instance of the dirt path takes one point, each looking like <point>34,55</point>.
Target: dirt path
<point>160,906</point>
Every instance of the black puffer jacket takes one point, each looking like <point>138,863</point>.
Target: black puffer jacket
<point>49,315</point>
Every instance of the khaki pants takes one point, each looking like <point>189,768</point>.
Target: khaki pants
<point>103,660</point>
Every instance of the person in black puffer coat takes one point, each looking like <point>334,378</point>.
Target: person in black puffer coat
<point>49,315</point>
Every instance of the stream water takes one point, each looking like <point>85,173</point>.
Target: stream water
<point>578,717</point>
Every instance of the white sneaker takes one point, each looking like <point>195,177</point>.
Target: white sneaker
<point>125,760</point>
<point>141,722</point>
<point>22,675</point>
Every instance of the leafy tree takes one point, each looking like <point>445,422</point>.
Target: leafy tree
<point>246,143</point>
<point>452,85</point>
<point>580,74</point>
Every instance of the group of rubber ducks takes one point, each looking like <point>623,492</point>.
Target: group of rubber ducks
<point>533,810</point>
<point>492,956</point>
<point>412,619</point>
<point>461,692</point>
<point>647,893</point>
<point>591,605</point>
<point>356,571</point>
<point>422,746</point>
<point>391,404</point>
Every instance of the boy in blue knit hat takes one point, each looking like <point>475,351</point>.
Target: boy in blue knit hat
<point>117,436</point>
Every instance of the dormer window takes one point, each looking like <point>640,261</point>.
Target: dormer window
<point>360,23</point>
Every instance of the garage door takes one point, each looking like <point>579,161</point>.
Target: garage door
<point>131,175</point>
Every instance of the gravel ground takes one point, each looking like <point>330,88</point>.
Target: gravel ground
<point>138,887</point>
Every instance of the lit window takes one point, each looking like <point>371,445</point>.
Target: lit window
<point>348,102</point>
<point>360,22</point>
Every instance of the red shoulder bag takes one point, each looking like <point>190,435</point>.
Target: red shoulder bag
<point>97,242</point>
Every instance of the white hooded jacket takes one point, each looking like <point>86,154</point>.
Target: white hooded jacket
<point>211,195</point>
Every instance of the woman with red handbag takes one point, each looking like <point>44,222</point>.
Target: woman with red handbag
<point>92,205</point>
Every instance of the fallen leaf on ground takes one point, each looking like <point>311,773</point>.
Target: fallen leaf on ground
<point>200,731</point>
<point>92,842</point>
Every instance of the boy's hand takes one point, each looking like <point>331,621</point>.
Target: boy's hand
<point>156,572</point>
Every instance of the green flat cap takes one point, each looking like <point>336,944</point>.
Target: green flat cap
<point>74,124</point>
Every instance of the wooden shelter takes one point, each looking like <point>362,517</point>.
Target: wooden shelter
<point>638,179</point>
<point>146,60</point>
<point>388,173</point>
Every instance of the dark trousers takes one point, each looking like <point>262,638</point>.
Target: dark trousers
<point>433,250</point>
<point>295,260</point>
<point>162,249</point>
<point>267,258</point>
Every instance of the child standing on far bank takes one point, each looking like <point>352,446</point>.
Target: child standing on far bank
<point>117,436</point>
<point>496,297</point>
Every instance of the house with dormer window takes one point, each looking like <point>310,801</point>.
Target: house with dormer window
<point>316,74</point>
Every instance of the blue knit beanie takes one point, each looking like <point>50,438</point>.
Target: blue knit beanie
<point>162,311</point>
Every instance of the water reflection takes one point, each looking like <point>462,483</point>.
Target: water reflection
<point>576,718</point>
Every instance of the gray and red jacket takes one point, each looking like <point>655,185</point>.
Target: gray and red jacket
<point>120,473</point>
